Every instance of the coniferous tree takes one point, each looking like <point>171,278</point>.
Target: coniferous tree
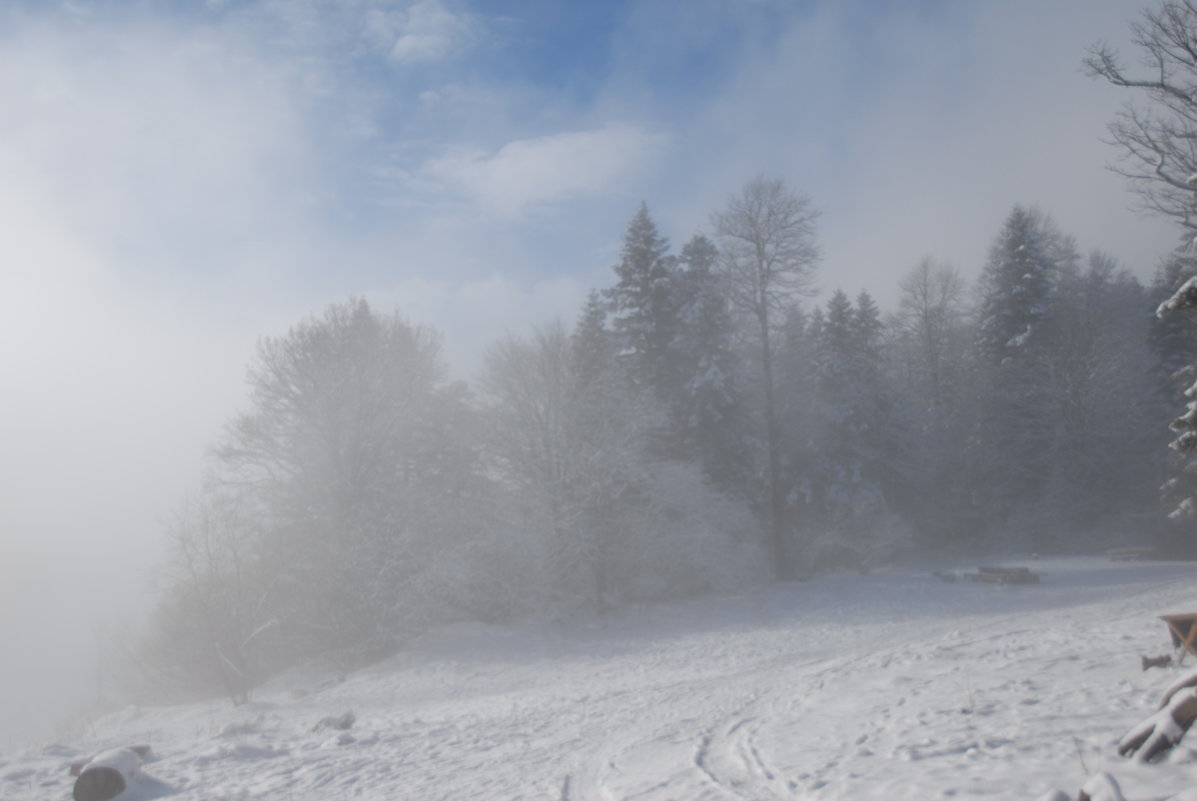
<point>644,303</point>
<point>1099,375</point>
<point>1017,301</point>
<point>837,466</point>
<point>1016,287</point>
<point>876,425</point>
<point>1174,342</point>
<point>835,351</point>
<point>1173,337</point>
<point>854,472</point>
<point>707,404</point>
<point>1181,489</point>
<point>867,330</point>
<point>593,344</point>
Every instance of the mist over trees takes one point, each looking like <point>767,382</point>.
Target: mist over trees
<point>703,424</point>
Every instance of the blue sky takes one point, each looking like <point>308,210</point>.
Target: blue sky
<point>179,179</point>
<point>229,147</point>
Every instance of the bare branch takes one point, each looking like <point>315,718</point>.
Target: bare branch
<point>1159,157</point>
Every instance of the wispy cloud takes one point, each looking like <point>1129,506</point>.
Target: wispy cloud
<point>529,174</point>
<point>427,31</point>
<point>143,141</point>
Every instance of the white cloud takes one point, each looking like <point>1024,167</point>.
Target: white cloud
<point>171,146</point>
<point>428,31</point>
<point>530,173</point>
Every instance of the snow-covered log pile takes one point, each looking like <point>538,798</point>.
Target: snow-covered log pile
<point>1155,736</point>
<point>1150,741</point>
<point>108,775</point>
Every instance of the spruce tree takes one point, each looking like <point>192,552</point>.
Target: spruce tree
<point>850,472</point>
<point>592,343</point>
<point>706,402</point>
<point>644,304</point>
<point>1014,445</point>
<point>1180,491</point>
<point>867,330</point>
<point>1016,286</point>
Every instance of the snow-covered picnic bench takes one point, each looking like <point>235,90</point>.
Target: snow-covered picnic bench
<point>1138,554</point>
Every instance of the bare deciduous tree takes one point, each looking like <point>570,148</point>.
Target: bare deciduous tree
<point>930,312</point>
<point>767,237</point>
<point>210,629</point>
<point>570,444</point>
<point>1158,142</point>
<point>351,451</point>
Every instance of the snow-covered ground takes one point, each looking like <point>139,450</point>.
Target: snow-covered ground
<point>889,686</point>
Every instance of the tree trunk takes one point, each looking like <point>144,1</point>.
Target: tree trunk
<point>781,564</point>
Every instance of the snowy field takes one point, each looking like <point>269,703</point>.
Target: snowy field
<point>888,686</point>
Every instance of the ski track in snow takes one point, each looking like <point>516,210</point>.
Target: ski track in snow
<point>890,686</point>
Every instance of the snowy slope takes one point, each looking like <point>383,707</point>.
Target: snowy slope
<point>890,686</point>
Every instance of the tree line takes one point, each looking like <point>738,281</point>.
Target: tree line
<point>703,424</point>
